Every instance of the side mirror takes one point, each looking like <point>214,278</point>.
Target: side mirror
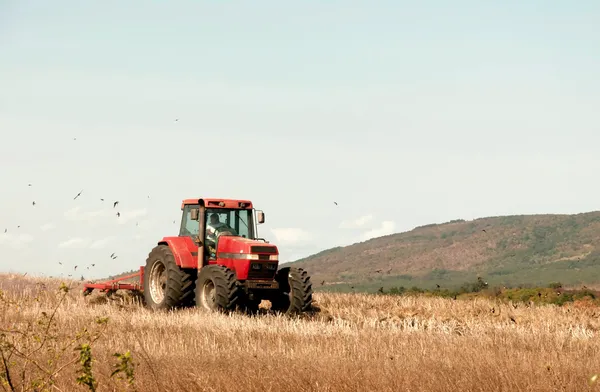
<point>194,214</point>
<point>260,216</point>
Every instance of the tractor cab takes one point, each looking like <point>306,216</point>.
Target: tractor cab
<point>208,222</point>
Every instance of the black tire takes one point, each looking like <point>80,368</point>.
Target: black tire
<point>217,289</point>
<point>176,291</point>
<point>295,291</point>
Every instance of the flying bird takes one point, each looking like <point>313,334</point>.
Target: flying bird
<point>5,230</point>
<point>79,194</point>
<point>335,202</point>
<point>118,214</point>
<point>34,203</point>
<point>29,185</point>
<point>101,199</point>
<point>115,204</point>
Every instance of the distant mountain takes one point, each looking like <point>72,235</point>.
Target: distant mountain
<point>505,250</point>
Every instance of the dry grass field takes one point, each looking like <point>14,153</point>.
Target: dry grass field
<point>51,338</point>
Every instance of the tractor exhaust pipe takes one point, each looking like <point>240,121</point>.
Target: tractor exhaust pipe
<point>201,234</point>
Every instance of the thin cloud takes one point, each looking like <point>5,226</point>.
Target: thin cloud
<point>356,223</point>
<point>145,224</point>
<point>291,252</point>
<point>128,216</point>
<point>73,213</point>
<point>291,235</point>
<point>47,226</point>
<point>100,244</point>
<point>387,227</point>
<point>16,241</point>
<point>77,214</point>
<point>74,243</point>
<point>96,216</point>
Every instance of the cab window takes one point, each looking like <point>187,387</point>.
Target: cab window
<point>188,227</point>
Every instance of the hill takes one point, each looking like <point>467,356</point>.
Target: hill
<point>506,250</point>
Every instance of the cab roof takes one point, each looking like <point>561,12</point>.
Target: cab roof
<point>219,203</point>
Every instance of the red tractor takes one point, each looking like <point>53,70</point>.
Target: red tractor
<point>217,262</point>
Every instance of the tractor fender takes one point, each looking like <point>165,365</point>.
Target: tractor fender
<point>184,251</point>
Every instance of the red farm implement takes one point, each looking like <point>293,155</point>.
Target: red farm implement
<point>114,284</point>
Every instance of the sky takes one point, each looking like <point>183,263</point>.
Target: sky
<point>403,113</point>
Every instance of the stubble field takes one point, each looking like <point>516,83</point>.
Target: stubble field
<point>355,343</point>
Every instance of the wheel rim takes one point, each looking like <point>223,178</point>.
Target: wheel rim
<point>208,295</point>
<point>158,282</point>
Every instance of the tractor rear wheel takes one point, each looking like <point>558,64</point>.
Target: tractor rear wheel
<point>166,285</point>
<point>295,291</point>
<point>217,289</point>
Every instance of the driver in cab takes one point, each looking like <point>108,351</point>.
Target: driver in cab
<point>211,230</point>
<point>215,224</point>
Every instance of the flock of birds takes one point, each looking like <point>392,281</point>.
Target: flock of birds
<point>113,256</point>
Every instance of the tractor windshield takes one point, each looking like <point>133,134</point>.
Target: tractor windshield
<point>237,222</point>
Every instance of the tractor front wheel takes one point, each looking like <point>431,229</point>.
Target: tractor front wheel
<point>166,286</point>
<point>217,289</point>
<point>295,291</point>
